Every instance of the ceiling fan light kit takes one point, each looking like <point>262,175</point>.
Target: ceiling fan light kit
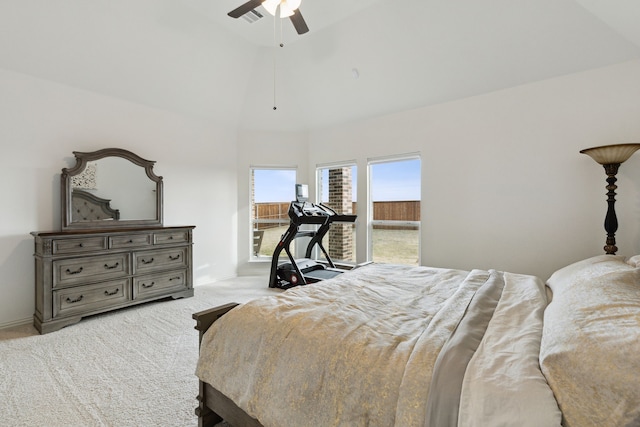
<point>288,9</point>
<point>271,6</point>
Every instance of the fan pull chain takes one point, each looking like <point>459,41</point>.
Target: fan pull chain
<point>281,39</point>
<point>275,54</point>
<point>274,80</point>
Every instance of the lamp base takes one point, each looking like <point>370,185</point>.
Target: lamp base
<point>611,220</point>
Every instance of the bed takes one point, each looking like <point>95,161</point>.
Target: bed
<point>391,345</point>
<point>89,207</point>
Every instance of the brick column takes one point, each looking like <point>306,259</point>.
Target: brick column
<point>341,201</point>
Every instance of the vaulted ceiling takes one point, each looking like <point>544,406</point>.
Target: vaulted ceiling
<point>361,58</point>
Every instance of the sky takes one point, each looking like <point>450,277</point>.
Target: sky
<point>390,181</point>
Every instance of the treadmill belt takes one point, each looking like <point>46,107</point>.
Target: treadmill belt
<point>321,274</point>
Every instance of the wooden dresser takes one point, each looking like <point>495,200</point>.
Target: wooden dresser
<point>83,272</point>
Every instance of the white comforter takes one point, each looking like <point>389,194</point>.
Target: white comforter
<point>387,345</point>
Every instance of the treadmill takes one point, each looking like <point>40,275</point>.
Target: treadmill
<point>306,270</point>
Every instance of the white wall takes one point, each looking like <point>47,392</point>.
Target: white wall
<point>41,123</point>
<point>503,183</point>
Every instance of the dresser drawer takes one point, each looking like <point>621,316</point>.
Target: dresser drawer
<point>161,283</point>
<point>164,237</point>
<point>88,298</point>
<point>132,241</point>
<point>95,268</point>
<point>74,246</point>
<point>160,259</point>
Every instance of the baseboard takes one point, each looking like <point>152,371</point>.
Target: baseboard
<point>14,323</point>
<point>208,282</point>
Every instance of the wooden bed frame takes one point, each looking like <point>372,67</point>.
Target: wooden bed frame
<point>214,407</point>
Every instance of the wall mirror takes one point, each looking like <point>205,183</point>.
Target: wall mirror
<point>110,188</point>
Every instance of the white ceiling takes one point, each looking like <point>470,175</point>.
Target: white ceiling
<point>188,56</point>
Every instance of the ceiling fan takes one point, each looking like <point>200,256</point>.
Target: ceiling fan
<point>288,8</point>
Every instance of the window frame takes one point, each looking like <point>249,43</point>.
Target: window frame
<point>370,221</point>
<point>252,220</point>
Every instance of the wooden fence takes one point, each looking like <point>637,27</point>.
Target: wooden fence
<point>272,211</point>
<point>408,210</point>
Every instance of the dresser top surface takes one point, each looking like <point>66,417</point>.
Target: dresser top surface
<point>110,231</point>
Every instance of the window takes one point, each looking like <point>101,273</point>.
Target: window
<point>394,210</point>
<point>337,190</point>
<point>272,190</point>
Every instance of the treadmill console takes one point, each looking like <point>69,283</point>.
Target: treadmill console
<point>309,213</point>
<point>302,192</point>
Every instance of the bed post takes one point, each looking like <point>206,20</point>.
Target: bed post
<point>204,319</point>
<point>206,417</point>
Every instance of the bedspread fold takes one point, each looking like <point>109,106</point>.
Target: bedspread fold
<point>443,403</point>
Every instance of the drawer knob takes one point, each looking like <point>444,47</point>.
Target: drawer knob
<point>111,267</point>
<point>75,272</point>
<point>107,293</point>
<point>144,261</point>
<point>144,285</point>
<point>174,278</point>
<point>174,258</point>
<point>71,301</point>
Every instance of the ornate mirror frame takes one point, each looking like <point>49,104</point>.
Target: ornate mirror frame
<point>82,159</point>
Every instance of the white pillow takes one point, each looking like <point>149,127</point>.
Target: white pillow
<point>590,350</point>
<point>634,261</point>
<point>586,269</point>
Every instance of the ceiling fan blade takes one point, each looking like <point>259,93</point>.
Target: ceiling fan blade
<point>245,8</point>
<point>298,22</point>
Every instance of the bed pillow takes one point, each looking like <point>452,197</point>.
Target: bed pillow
<point>634,261</point>
<point>590,350</point>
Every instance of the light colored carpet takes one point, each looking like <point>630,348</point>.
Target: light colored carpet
<point>132,367</point>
